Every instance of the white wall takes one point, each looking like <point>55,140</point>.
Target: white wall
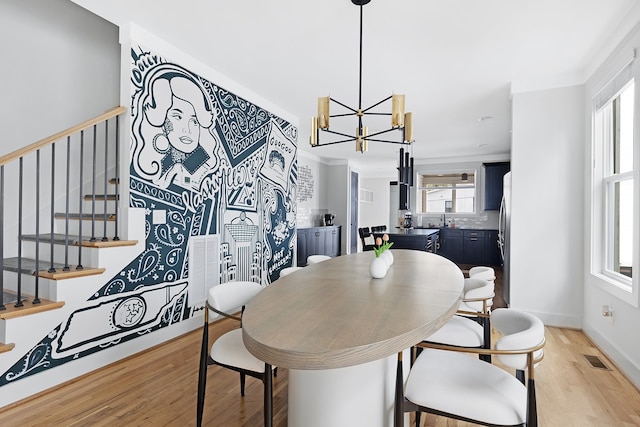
<point>61,66</point>
<point>312,203</point>
<point>376,212</point>
<point>338,196</point>
<point>548,145</point>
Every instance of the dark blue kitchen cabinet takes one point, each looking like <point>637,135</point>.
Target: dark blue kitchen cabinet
<point>469,246</point>
<point>480,247</point>
<point>474,247</point>
<point>493,175</point>
<point>451,240</point>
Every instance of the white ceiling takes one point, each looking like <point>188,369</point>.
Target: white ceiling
<point>456,60</point>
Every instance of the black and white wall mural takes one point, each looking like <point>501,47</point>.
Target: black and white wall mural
<point>204,162</point>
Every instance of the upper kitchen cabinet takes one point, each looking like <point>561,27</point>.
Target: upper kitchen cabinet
<point>493,174</point>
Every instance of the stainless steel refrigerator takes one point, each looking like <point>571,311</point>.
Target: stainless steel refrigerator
<point>504,235</point>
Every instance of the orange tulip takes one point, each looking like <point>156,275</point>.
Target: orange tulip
<point>378,241</point>
<point>385,237</point>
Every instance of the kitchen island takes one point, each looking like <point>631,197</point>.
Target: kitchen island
<point>421,239</point>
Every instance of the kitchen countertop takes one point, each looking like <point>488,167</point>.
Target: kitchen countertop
<point>413,231</point>
<point>463,227</point>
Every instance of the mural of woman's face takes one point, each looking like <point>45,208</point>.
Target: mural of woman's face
<point>181,126</point>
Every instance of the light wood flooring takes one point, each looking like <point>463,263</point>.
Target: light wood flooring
<point>158,388</point>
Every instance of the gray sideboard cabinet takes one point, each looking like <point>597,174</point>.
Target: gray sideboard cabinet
<point>318,241</point>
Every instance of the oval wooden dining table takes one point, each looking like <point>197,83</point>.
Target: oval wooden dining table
<point>338,331</point>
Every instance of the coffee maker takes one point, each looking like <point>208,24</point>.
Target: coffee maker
<point>407,220</point>
<point>328,219</point>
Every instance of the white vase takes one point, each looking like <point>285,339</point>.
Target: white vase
<point>388,257</point>
<point>378,268</point>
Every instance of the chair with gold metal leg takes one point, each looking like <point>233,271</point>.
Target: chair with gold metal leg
<point>471,326</point>
<point>446,382</point>
<point>484,273</point>
<point>229,350</point>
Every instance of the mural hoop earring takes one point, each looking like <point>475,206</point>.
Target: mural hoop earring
<point>161,143</point>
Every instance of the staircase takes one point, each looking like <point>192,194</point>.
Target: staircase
<point>60,211</point>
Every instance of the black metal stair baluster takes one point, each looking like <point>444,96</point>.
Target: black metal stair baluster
<point>106,177</point>
<point>20,176</point>
<point>115,237</point>
<point>2,307</point>
<point>36,299</point>
<point>66,208</point>
<point>52,268</point>
<point>80,219</point>
<point>93,186</point>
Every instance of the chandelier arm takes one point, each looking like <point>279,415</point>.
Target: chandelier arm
<point>344,105</point>
<point>343,115</point>
<point>382,132</point>
<point>387,141</point>
<point>338,133</point>
<point>378,103</point>
<point>334,142</point>
<point>378,114</point>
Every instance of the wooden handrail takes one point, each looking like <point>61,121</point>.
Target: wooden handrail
<point>60,135</point>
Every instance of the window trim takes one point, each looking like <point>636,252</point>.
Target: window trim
<point>461,170</point>
<point>616,284</point>
<point>609,181</point>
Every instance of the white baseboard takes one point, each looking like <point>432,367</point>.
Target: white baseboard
<point>621,360</point>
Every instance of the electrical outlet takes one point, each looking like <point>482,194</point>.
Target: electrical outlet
<point>160,216</point>
<point>607,312</point>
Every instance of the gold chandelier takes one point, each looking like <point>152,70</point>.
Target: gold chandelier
<point>400,121</point>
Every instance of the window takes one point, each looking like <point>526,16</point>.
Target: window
<point>447,192</point>
<point>614,187</point>
<point>366,196</point>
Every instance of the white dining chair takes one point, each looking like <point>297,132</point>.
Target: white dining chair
<point>483,272</point>
<point>228,350</point>
<point>478,294</point>
<point>288,270</point>
<point>446,382</point>
<point>471,326</point>
<point>314,259</point>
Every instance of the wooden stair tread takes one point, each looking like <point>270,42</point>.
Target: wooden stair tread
<point>86,216</point>
<point>28,307</point>
<point>28,266</point>
<point>75,240</point>
<point>108,243</point>
<point>6,347</point>
<point>60,274</point>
